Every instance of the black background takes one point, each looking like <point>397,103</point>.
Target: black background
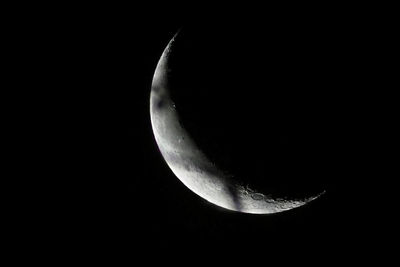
<point>134,205</point>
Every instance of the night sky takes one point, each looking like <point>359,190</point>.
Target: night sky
<point>143,207</point>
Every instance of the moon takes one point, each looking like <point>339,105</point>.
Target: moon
<point>191,165</point>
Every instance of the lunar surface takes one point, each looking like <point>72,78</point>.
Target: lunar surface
<point>192,166</point>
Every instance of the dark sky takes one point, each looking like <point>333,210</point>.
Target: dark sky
<point>143,206</point>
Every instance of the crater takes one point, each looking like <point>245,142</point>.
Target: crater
<point>257,196</point>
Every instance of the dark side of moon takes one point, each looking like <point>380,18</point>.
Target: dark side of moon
<point>242,121</point>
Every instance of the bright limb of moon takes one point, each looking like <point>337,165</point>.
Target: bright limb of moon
<point>191,165</point>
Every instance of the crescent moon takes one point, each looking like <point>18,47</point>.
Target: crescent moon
<point>191,166</point>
